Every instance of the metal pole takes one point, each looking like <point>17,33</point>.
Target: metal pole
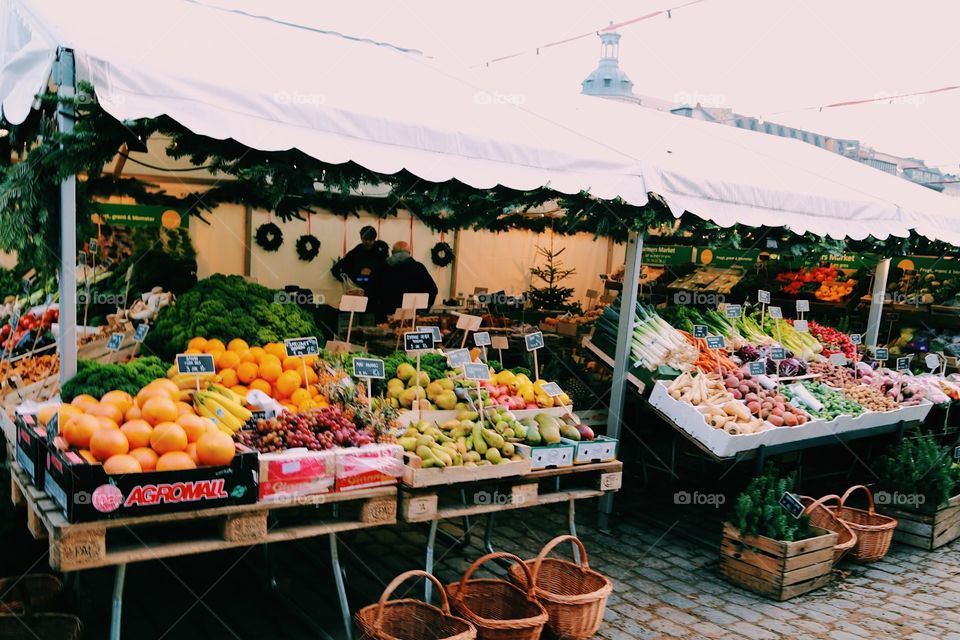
<point>876,301</point>
<point>68,227</point>
<point>117,603</point>
<point>622,356</point>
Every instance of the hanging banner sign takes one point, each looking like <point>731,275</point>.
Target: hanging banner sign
<point>138,215</point>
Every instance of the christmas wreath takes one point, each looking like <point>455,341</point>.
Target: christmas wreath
<point>269,237</point>
<point>441,254</point>
<point>308,246</point>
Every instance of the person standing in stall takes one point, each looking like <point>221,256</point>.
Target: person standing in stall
<point>362,262</point>
<point>401,274</point>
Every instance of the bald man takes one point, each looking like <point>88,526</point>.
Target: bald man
<point>401,274</point>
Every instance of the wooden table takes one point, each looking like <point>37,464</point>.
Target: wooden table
<point>491,496</point>
<point>117,542</point>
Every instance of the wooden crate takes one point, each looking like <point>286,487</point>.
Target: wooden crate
<point>533,489</point>
<point>414,475</point>
<point>777,569</point>
<point>926,528</point>
<point>123,540</point>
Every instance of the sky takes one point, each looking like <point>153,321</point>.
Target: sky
<point>768,58</point>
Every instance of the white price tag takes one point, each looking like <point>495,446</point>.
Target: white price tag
<point>763,296</point>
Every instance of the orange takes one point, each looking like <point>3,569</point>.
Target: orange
<point>270,370</point>
<point>122,399</point>
<point>229,378</point>
<point>195,426</point>
<point>84,402</point>
<point>78,430</point>
<point>215,448</point>
<point>175,461</point>
<point>159,409</point>
<point>184,408</point>
<point>133,413</point>
<point>214,345</point>
<point>197,343</point>
<point>299,396</point>
<point>276,348</point>
<point>165,383</point>
<point>151,392</point>
<point>107,410</point>
<point>261,385</point>
<point>105,443</point>
<point>228,360</point>
<point>64,413</point>
<point>312,377</point>
<point>168,436</point>
<point>86,455</point>
<point>122,463</point>
<point>312,361</point>
<point>146,456</point>
<point>288,382</point>
<point>305,405</point>
<point>137,432</point>
<point>257,353</point>
<point>291,362</point>
<point>240,390</point>
<point>290,407</point>
<point>46,413</point>
<point>247,356</point>
<point>247,372</point>
<point>237,345</point>
<point>107,422</point>
<point>193,352</point>
<point>192,452</point>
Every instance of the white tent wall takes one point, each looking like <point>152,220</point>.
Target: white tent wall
<point>219,244</point>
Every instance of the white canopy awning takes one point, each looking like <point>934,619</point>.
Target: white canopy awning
<point>279,84</point>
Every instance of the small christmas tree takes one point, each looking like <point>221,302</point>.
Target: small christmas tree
<point>552,273</point>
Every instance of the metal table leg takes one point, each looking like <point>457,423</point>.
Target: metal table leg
<point>466,521</point>
<point>431,542</point>
<point>341,589</point>
<point>572,522</point>
<point>488,533</point>
<point>118,580</point>
<point>268,567</point>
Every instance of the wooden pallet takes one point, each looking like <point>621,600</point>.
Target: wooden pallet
<point>924,528</point>
<point>776,569</point>
<point>534,489</point>
<point>123,540</point>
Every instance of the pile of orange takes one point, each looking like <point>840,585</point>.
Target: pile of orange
<point>147,432</point>
<point>243,368</point>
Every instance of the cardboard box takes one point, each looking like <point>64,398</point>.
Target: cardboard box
<point>600,449</point>
<point>374,465</point>
<point>551,456</point>
<point>31,448</point>
<point>296,473</point>
<point>85,492</point>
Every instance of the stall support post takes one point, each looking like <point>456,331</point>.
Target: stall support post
<point>66,77</point>
<point>876,302</point>
<point>622,356</point>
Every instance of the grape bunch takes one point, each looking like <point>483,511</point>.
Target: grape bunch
<point>316,430</point>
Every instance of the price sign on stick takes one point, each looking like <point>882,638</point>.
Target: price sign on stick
<point>353,304</point>
<point>801,326</point>
<point>932,360</point>
<point>369,368</point>
<point>757,368</point>
<point>115,342</point>
<point>482,338</point>
<point>478,372</point>
<point>468,323</point>
<point>458,357</point>
<point>882,353</point>
<point>903,364</point>
<point>699,331</point>
<point>778,353</point>
<point>141,333</point>
<point>716,342</point>
<point>553,390</point>
<point>94,245</point>
<point>776,313</point>
<point>534,342</point>
<point>418,342</point>
<point>838,359</point>
<point>500,343</point>
<point>733,310</point>
<point>803,306</point>
<point>856,338</point>
<point>434,331</point>
<point>196,364</point>
<point>763,297</point>
<point>792,504</point>
<point>301,348</point>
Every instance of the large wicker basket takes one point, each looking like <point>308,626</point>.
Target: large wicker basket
<point>574,595</point>
<point>29,593</point>
<point>499,609</point>
<point>823,517</point>
<point>874,531</point>
<point>409,619</point>
<point>45,626</point>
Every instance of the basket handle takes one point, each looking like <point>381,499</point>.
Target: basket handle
<point>403,577</point>
<point>494,556</point>
<point>823,501</point>
<point>547,548</point>
<point>867,491</point>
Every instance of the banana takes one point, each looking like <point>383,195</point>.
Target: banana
<point>242,413</point>
<point>189,380</point>
<point>227,393</point>
<point>226,430</point>
<point>186,395</point>
<point>222,414</point>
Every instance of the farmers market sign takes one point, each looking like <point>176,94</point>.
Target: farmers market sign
<point>667,255</point>
<point>137,215</point>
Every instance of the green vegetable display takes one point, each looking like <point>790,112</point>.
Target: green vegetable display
<point>96,379</point>
<point>835,403</point>
<point>920,466</point>
<point>227,307</point>
<point>758,510</point>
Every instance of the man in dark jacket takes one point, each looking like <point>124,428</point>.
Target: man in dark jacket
<point>401,274</point>
<point>362,261</point>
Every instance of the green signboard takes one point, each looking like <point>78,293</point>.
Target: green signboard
<point>928,264</point>
<point>656,255</point>
<point>723,258</point>
<point>138,215</point>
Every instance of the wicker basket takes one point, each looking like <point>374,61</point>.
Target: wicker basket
<point>823,517</point>
<point>574,595</point>
<point>29,593</point>
<point>410,619</point>
<point>45,626</point>
<point>499,609</point>
<point>874,531</point>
